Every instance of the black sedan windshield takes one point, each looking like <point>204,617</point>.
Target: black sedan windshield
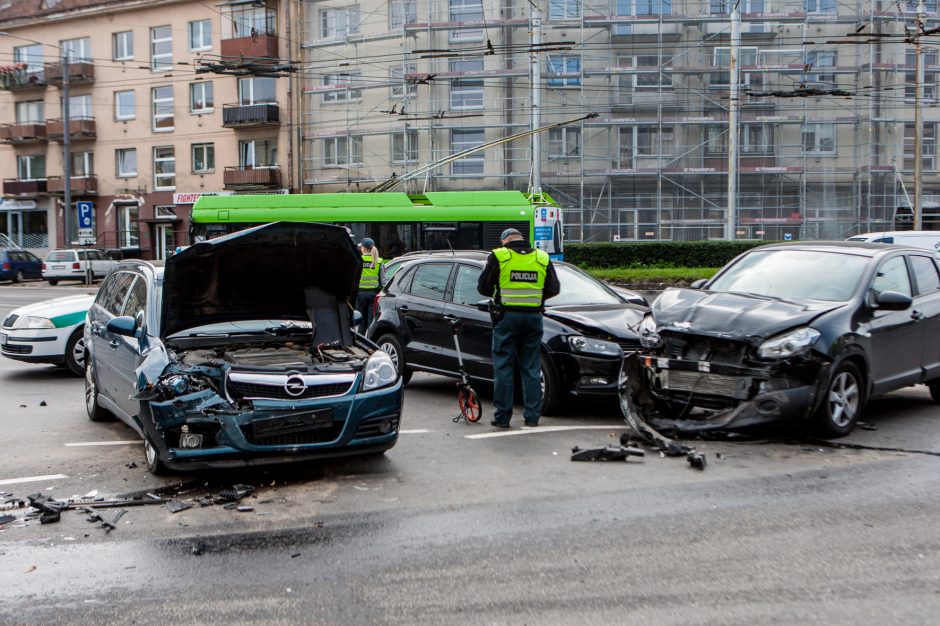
<point>579,288</point>
<point>794,274</point>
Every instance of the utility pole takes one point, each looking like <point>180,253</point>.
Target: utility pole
<point>67,150</point>
<point>918,124</point>
<point>536,82</point>
<point>733,109</point>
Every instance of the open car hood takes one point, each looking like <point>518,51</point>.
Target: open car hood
<point>733,315</point>
<point>258,273</point>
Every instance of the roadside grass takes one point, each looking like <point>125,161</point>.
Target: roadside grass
<point>651,275</point>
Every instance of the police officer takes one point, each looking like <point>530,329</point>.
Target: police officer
<point>520,279</point>
<point>369,280</point>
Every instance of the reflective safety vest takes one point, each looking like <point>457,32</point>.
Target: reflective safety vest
<point>521,277</point>
<point>370,275</point>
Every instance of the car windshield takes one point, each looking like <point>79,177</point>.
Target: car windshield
<point>794,274</point>
<point>580,289</point>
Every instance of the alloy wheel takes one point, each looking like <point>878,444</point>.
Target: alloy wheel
<point>843,399</point>
<point>91,390</point>
<point>391,351</point>
<point>78,352</point>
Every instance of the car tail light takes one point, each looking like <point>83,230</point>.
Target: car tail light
<point>6,266</point>
<point>76,266</point>
<point>375,306</point>
<point>44,267</point>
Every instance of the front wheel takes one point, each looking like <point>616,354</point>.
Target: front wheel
<point>843,401</point>
<point>391,345</point>
<point>75,352</point>
<point>551,395</point>
<point>18,277</point>
<point>934,387</point>
<point>95,412</point>
<point>154,465</point>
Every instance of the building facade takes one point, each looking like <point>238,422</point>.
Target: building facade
<point>150,130</point>
<point>826,126</point>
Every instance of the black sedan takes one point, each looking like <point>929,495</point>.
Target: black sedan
<point>790,332</point>
<point>588,326</point>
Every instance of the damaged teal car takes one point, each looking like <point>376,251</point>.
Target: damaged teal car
<point>239,352</point>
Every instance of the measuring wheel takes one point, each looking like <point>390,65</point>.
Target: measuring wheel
<point>469,403</point>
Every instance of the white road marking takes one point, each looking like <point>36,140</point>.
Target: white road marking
<point>83,444</point>
<point>413,432</point>
<point>541,429</point>
<point>31,479</point>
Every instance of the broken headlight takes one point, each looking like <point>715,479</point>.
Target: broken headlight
<point>649,333</point>
<point>788,344</point>
<point>180,384</point>
<point>587,345</point>
<point>380,371</point>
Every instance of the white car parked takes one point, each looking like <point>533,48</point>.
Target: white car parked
<point>70,265</point>
<point>51,331</point>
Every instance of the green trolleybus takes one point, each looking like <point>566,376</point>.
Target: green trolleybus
<point>398,222</point>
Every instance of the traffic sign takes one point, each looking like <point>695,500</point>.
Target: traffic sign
<point>787,236</point>
<point>86,213</point>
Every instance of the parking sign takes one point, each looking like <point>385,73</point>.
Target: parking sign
<point>86,214</point>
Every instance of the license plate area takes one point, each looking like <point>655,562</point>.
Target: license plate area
<point>291,424</point>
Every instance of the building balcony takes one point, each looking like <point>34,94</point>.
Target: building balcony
<point>17,187</point>
<point>79,128</point>
<point>18,76</point>
<point>247,177</point>
<point>25,132</point>
<point>238,115</point>
<point>79,72</point>
<point>259,46</point>
<point>81,185</point>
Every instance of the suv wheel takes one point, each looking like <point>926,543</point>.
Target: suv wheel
<point>53,282</point>
<point>391,345</point>
<point>95,412</point>
<point>75,352</point>
<point>154,465</point>
<point>843,401</point>
<point>18,278</point>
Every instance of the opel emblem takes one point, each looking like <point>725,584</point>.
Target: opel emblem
<point>295,386</point>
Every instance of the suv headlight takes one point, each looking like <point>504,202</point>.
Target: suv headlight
<point>380,371</point>
<point>649,333</point>
<point>587,345</point>
<point>28,322</point>
<point>788,344</point>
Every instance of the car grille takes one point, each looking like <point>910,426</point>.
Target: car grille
<point>10,320</point>
<point>696,348</point>
<point>10,348</point>
<point>700,383</point>
<point>274,386</point>
<point>317,435</point>
<point>370,427</point>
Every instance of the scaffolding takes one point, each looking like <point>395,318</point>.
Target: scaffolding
<point>825,131</point>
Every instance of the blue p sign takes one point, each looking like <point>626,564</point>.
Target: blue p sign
<point>787,237</point>
<point>86,214</point>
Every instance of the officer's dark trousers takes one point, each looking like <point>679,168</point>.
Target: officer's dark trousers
<point>517,347</point>
<point>364,305</point>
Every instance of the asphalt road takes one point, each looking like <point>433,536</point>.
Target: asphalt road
<point>459,524</point>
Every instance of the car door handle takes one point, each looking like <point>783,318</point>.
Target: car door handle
<point>95,329</point>
<point>403,308</point>
<point>450,318</point>
<point>113,343</point>
<point>917,316</point>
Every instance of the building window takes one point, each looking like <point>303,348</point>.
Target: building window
<point>400,84</point>
<point>820,60</point>
<point>125,160</point>
<point>461,140</point>
<point>564,70</point>
<point>256,91</point>
<point>30,112</point>
<point>645,141</point>
<point>77,50</point>
<point>929,90</point>
<point>128,224</point>
<point>83,164</point>
<point>337,23</point>
<point>930,6</point>
<point>564,9</point>
<point>125,105</point>
<point>163,120</point>
<point>203,158</point>
<point>164,168</point>
<point>644,7</point>
<point>401,12</point>
<point>251,20</point>
<point>342,151</point>
<point>928,147</point>
<point>652,72</point>
<point>341,83</point>
<point>819,139</point>
<point>466,11</point>
<point>200,97</point>
<point>716,140</point>
<point>564,143</point>
<point>161,48</point>
<point>757,139</point>
<point>122,45</point>
<point>80,107</point>
<point>405,147</point>
<point>31,56</point>
<point>260,153</point>
<point>31,167</point>
<point>722,59</point>
<point>200,35</point>
<point>820,6</point>
<point>466,93</point>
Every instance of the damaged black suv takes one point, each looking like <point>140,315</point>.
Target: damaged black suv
<point>240,352</point>
<point>789,332</point>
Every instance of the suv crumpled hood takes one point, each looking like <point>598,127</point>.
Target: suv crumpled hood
<point>259,273</point>
<point>733,315</point>
<point>616,320</point>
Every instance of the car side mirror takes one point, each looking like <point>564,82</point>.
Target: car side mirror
<point>698,284</point>
<point>893,301</point>
<point>126,326</point>
<point>357,318</point>
<point>484,305</point>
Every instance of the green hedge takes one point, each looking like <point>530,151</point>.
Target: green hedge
<point>657,253</point>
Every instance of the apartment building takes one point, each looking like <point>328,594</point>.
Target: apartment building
<point>825,132</point>
<point>149,130</point>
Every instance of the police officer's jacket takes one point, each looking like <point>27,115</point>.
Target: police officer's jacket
<point>496,266</point>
